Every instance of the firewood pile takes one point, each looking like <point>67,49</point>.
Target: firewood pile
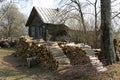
<point>117,46</point>
<point>5,43</point>
<point>23,47</point>
<point>28,48</point>
<point>76,55</point>
<point>45,58</point>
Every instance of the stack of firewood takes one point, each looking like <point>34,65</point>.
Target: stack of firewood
<point>76,55</point>
<point>23,47</point>
<point>28,48</point>
<point>117,46</point>
<point>46,59</point>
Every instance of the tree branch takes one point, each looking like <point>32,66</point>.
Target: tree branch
<point>91,3</point>
<point>116,15</point>
<point>2,16</point>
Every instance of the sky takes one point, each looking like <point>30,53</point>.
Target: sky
<point>25,6</point>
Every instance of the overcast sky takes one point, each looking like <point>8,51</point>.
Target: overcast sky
<point>26,6</point>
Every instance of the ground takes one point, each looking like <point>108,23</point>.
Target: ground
<point>12,68</point>
<point>113,72</point>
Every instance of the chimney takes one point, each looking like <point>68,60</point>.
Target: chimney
<point>57,9</point>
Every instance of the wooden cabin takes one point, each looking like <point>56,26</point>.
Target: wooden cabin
<point>44,20</point>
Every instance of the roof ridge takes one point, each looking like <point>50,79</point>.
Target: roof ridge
<point>44,7</point>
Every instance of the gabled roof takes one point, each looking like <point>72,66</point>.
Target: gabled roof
<point>54,16</point>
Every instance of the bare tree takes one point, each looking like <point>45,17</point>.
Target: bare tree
<point>5,12</point>
<point>75,33</point>
<point>75,5</point>
<point>13,21</point>
<point>1,0</point>
<point>96,20</point>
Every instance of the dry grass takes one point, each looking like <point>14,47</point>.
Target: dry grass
<point>113,73</point>
<point>88,73</point>
<point>9,69</point>
<point>6,51</point>
<point>79,72</point>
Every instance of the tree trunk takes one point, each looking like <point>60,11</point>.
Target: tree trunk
<point>83,22</point>
<point>107,45</point>
<point>96,28</point>
<point>9,31</point>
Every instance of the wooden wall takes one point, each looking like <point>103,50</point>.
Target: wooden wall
<point>37,29</point>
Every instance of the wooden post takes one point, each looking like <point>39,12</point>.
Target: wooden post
<point>44,32</point>
<point>29,31</point>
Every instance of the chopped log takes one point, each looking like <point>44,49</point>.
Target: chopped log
<point>27,49</point>
<point>76,55</point>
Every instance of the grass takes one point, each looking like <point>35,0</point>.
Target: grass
<point>20,73</point>
<point>6,51</point>
<point>13,75</point>
<point>30,74</point>
<point>6,73</point>
<point>113,72</point>
<point>10,75</point>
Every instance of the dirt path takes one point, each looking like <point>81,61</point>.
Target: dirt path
<point>13,68</point>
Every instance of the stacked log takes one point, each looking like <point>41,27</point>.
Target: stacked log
<point>117,49</point>
<point>76,55</point>
<point>7,44</point>
<point>46,59</point>
<point>117,46</point>
<point>23,47</point>
<point>28,48</point>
